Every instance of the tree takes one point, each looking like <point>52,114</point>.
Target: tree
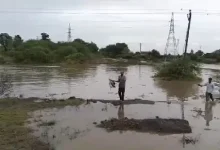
<point>44,36</point>
<point>93,47</point>
<point>5,40</point>
<point>115,50</point>
<point>17,41</point>
<point>155,53</point>
<point>199,53</point>
<point>79,41</point>
<point>192,52</point>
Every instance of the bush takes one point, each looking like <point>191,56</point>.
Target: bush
<point>2,60</point>
<point>78,57</point>
<point>35,54</point>
<point>179,70</point>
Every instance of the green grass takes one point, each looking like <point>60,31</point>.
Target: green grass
<point>13,115</point>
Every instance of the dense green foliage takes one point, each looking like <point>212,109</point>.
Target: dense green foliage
<point>44,50</point>
<point>15,49</point>
<point>115,50</point>
<point>180,69</point>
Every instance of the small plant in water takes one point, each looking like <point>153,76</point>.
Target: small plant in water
<point>180,69</point>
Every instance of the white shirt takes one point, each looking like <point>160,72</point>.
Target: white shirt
<point>209,87</point>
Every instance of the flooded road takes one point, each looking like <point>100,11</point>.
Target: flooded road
<point>74,127</point>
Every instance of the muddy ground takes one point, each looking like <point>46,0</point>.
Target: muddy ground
<point>158,125</point>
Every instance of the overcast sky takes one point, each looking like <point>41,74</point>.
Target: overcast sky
<point>109,21</point>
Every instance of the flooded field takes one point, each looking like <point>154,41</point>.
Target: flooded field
<point>92,82</point>
<point>74,127</point>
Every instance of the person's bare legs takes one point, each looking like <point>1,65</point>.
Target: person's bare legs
<point>120,94</point>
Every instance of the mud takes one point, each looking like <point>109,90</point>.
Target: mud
<point>168,126</point>
<point>126,102</point>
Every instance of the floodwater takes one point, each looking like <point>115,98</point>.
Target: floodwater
<point>93,82</point>
<point>74,128</point>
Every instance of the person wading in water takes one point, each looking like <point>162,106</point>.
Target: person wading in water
<point>121,87</point>
<point>209,89</point>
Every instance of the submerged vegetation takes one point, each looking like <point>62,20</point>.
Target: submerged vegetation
<point>179,69</point>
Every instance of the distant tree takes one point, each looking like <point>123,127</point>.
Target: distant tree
<point>115,50</point>
<point>44,36</point>
<point>79,41</point>
<point>199,53</point>
<point>192,52</point>
<point>17,41</point>
<point>93,47</point>
<point>5,40</point>
<point>209,55</point>
<point>155,53</point>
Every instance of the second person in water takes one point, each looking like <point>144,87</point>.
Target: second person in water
<point>210,86</point>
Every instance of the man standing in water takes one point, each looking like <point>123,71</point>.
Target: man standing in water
<point>121,87</point>
<point>209,89</point>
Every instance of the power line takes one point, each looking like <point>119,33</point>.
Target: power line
<point>104,13</point>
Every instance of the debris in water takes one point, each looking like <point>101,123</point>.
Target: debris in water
<point>147,125</point>
<point>189,140</point>
<point>49,123</point>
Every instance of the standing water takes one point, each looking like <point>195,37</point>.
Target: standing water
<point>74,128</point>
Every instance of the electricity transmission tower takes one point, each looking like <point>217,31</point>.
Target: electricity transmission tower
<point>69,37</point>
<point>171,40</point>
<point>177,47</point>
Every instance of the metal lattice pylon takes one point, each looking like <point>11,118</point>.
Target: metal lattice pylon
<point>171,40</point>
<point>69,37</point>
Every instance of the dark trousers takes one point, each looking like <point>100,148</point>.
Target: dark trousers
<point>209,95</point>
<point>121,93</point>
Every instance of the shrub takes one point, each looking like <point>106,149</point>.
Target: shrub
<point>78,57</point>
<point>35,54</point>
<point>179,69</point>
<point>64,51</point>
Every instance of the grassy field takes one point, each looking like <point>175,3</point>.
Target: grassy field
<point>13,116</point>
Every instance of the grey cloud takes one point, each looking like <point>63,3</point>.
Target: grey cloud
<point>150,29</point>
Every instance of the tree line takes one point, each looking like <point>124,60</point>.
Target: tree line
<point>44,50</point>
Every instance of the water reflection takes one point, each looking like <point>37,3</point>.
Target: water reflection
<point>178,89</point>
<point>208,113</point>
<point>117,68</point>
<point>121,114</point>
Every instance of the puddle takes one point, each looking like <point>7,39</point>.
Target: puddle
<point>75,127</point>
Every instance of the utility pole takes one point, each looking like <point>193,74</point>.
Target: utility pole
<point>69,38</point>
<point>189,16</point>
<point>140,47</point>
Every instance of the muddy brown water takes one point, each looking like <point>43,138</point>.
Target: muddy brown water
<point>74,128</point>
<point>92,82</point>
